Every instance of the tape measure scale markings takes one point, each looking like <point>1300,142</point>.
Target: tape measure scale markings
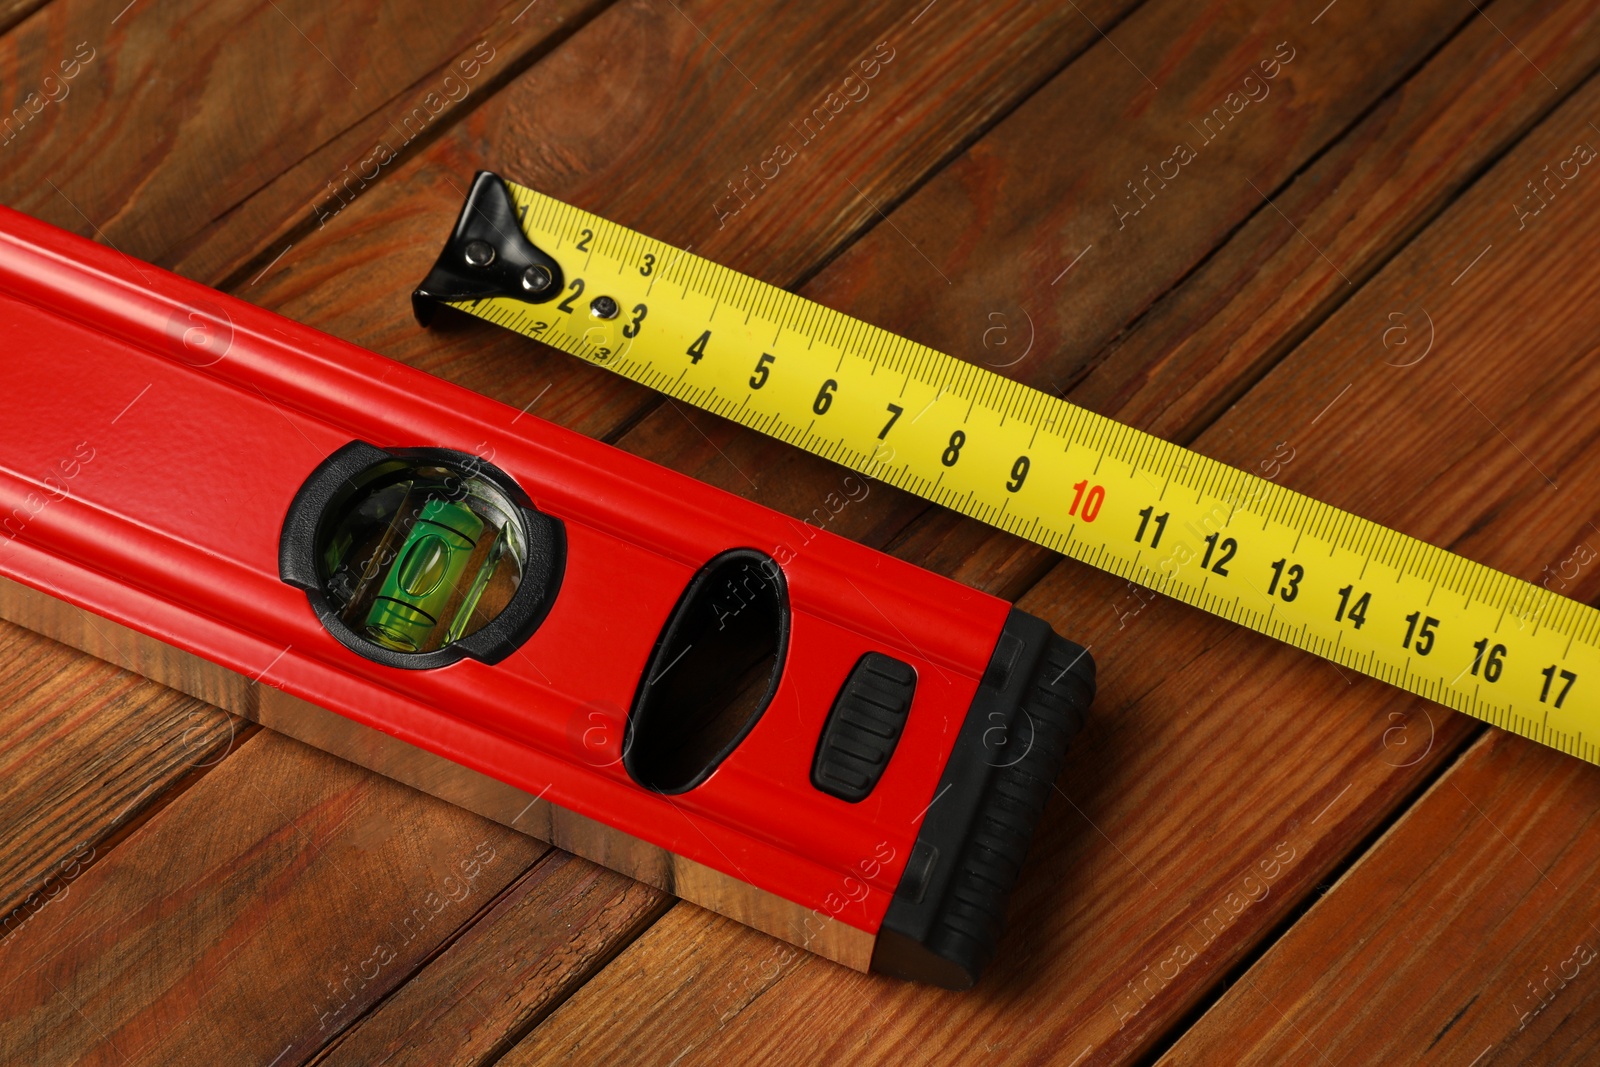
<point>1369,598</point>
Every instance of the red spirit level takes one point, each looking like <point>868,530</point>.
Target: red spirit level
<point>802,733</point>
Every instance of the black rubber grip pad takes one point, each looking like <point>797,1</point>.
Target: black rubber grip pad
<point>864,727</point>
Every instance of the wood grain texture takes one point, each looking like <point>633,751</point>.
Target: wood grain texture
<point>732,966</point>
<point>553,929</point>
<point>241,922</point>
<point>14,11</point>
<point>308,194</point>
<point>85,750</point>
<point>1467,935</point>
<point>174,114</point>
<point>661,159</point>
<point>1215,756</point>
<point>1203,344</point>
<point>1004,221</point>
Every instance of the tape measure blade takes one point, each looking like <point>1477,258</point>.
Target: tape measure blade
<point>1366,597</point>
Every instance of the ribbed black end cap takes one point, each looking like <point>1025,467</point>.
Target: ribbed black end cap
<point>946,917</point>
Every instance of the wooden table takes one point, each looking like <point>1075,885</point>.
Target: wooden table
<point>1370,277</point>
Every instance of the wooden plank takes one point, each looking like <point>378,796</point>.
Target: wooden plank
<point>1203,344</point>
<point>598,60</point>
<point>134,128</point>
<point>731,964</point>
<point>1003,227</point>
<point>1467,935</point>
<point>1156,790</point>
<point>240,923</point>
<point>553,929</point>
<point>662,161</point>
<point>85,751</point>
<point>14,11</point>
<point>309,194</point>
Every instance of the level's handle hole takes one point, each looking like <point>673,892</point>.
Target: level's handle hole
<point>714,670</point>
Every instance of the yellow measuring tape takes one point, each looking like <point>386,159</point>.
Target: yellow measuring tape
<point>1379,602</point>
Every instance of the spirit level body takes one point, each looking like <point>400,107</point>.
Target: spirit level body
<point>160,432</point>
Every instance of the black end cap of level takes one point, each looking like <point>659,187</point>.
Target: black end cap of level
<point>944,922</point>
<point>487,255</point>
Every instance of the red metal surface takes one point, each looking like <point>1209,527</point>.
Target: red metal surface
<point>156,431</point>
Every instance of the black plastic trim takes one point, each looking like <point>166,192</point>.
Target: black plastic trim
<point>678,622</point>
<point>945,919</point>
<point>349,468</point>
<point>489,216</point>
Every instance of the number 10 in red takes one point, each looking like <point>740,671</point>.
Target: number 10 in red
<point>1091,500</point>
